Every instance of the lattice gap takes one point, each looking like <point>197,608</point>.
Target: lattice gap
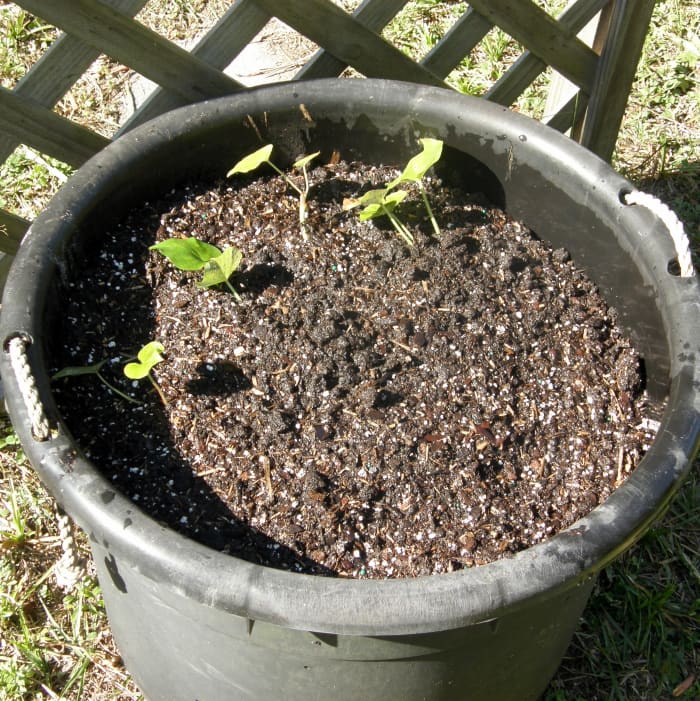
<point>36,178</point>
<point>184,23</point>
<point>417,27</point>
<point>100,97</point>
<point>276,54</point>
<point>497,51</point>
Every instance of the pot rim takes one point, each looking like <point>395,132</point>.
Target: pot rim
<point>344,606</point>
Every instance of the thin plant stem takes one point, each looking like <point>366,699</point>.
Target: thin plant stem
<point>429,209</point>
<point>302,196</point>
<point>306,178</point>
<point>116,390</point>
<point>302,214</point>
<point>399,226</point>
<point>235,294</point>
<point>287,179</point>
<point>158,389</point>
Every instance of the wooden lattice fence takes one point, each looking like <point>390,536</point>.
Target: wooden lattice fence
<point>602,74</point>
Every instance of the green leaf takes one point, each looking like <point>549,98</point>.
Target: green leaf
<point>9,439</point>
<point>305,160</point>
<point>187,254</point>
<point>76,370</point>
<point>384,205</point>
<point>220,268</point>
<point>252,161</point>
<point>419,165</point>
<point>374,196</point>
<point>394,198</point>
<point>371,211</point>
<point>147,358</point>
<point>379,202</point>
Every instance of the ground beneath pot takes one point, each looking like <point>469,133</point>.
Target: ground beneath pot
<point>367,409</point>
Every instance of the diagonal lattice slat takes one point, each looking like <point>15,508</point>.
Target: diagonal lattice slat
<point>457,43</point>
<point>136,46</point>
<point>529,66</point>
<point>53,75</point>
<point>544,36</point>
<point>37,126</point>
<point>231,34</point>
<point>14,229</point>
<point>329,26</point>
<point>372,14</point>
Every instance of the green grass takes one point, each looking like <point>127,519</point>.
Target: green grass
<point>35,179</point>
<point>22,38</point>
<point>639,637</point>
<point>53,643</point>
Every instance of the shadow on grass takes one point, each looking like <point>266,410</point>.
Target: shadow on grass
<point>639,637</point>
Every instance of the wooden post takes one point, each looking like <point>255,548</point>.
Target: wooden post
<point>562,91</point>
<point>616,69</point>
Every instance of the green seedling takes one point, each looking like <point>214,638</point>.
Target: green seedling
<point>220,268</point>
<point>416,169</point>
<point>147,358</point>
<point>383,201</point>
<point>254,160</point>
<point>77,370</point>
<point>192,254</point>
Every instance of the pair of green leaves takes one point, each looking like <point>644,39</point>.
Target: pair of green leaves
<point>148,357</point>
<point>383,201</point>
<point>254,160</point>
<point>192,254</point>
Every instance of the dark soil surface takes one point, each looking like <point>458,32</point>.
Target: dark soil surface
<point>368,409</point>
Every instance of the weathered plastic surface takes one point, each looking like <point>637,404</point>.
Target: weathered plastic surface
<point>195,624</point>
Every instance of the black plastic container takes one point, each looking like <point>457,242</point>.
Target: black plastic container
<point>196,624</point>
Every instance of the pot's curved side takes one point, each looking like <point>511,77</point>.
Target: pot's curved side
<point>147,572</point>
<point>179,650</point>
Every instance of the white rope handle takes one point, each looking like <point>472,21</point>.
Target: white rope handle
<point>673,224</point>
<point>69,569</point>
<point>17,348</point>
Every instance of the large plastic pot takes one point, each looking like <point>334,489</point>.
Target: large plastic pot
<point>196,624</point>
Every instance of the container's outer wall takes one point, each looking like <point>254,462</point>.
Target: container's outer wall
<point>223,657</point>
